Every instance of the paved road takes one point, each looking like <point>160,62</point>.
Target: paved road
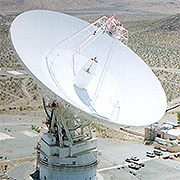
<point>167,69</point>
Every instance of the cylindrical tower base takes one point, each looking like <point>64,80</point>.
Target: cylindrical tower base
<point>55,162</point>
<point>68,172</point>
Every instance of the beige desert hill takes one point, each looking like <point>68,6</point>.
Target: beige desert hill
<point>157,42</point>
<point>164,6</point>
<point>167,24</point>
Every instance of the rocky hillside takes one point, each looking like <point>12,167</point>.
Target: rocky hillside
<point>171,24</point>
<point>15,91</point>
<point>157,42</point>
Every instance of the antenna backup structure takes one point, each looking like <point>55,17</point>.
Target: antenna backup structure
<point>87,73</point>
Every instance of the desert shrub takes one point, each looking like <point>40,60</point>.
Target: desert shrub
<point>178,117</point>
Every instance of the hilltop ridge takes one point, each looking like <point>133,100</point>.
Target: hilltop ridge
<point>166,6</point>
<point>171,23</point>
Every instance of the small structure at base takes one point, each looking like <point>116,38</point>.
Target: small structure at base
<point>167,145</point>
<point>166,136</point>
<point>163,130</point>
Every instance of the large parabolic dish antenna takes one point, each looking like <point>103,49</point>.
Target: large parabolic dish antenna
<point>88,67</point>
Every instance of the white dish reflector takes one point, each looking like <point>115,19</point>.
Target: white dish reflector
<point>96,73</point>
